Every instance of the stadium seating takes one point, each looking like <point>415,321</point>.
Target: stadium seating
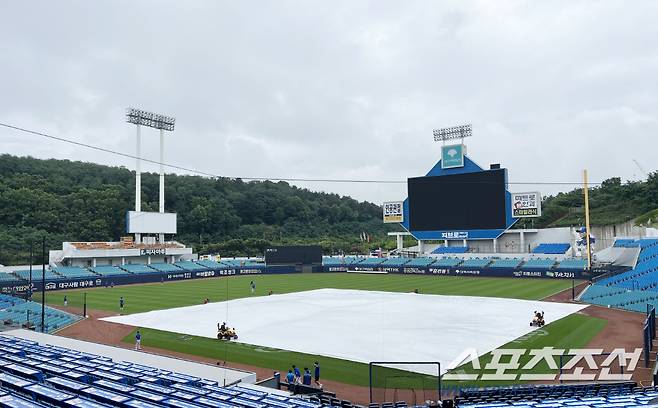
<point>506,263</point>
<point>9,277</point>
<point>109,270</point>
<point>210,264</point>
<point>626,243</point>
<point>34,375</point>
<point>450,250</point>
<point>37,273</point>
<point>138,268</point>
<point>608,395</point>
<point>330,260</point>
<point>371,261</point>
<point>447,262</point>
<point>190,266</point>
<point>17,311</point>
<point>475,263</point>
<point>165,267</point>
<point>634,289</point>
<point>236,263</point>
<point>572,264</point>
<point>539,263</point>
<point>395,262</point>
<point>420,262</point>
<point>72,272</point>
<point>557,249</point>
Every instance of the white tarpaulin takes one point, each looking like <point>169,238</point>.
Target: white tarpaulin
<point>362,326</point>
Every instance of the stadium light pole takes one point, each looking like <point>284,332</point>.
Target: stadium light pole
<point>29,288</point>
<point>141,118</point>
<point>43,285</point>
<point>451,133</point>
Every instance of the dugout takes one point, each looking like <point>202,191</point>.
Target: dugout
<point>305,258</point>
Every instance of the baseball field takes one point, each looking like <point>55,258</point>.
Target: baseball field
<point>572,331</point>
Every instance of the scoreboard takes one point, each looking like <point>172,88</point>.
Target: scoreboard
<point>464,201</point>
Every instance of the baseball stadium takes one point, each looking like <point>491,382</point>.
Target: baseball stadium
<point>468,310</point>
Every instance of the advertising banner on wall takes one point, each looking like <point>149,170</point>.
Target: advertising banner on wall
<point>526,205</point>
<point>393,212</point>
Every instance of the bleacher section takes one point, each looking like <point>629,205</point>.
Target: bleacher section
<point>457,262</point>
<point>572,264</point>
<point>537,263</point>
<point>599,395</point>
<point>236,263</point>
<point>506,263</point>
<point>164,267</point>
<point>447,262</point>
<point>475,263</point>
<point>109,271</point>
<point>375,261</point>
<point>16,311</point>
<point>33,375</point>
<point>9,277</point>
<point>36,274</point>
<point>137,268</point>
<point>450,250</point>
<point>72,272</point>
<point>395,262</point>
<point>559,248</point>
<point>626,243</point>
<point>330,260</point>
<point>190,266</point>
<point>419,261</point>
<point>210,264</point>
<point>634,289</point>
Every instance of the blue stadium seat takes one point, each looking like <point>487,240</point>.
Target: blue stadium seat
<point>165,267</point>
<point>539,263</point>
<point>572,264</point>
<point>475,263</point>
<point>109,270</point>
<point>25,384</point>
<point>450,250</point>
<point>632,290</point>
<point>558,248</point>
<point>506,263</point>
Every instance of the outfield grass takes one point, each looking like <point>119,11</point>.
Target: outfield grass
<point>156,296</point>
<point>573,331</point>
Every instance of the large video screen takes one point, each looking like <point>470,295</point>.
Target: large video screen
<point>458,202</point>
<point>294,255</point>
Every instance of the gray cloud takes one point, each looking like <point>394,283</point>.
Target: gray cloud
<point>339,89</point>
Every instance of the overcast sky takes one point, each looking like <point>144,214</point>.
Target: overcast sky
<point>339,89</point>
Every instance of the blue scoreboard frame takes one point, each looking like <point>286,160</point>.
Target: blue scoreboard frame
<point>469,167</point>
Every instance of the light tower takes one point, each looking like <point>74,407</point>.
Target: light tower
<point>156,121</point>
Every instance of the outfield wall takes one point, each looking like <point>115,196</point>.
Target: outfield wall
<point>457,271</point>
<point>127,279</point>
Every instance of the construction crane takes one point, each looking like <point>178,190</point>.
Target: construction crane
<point>640,167</point>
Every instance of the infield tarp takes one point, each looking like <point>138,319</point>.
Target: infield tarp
<point>361,326</point>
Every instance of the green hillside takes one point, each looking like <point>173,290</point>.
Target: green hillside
<point>76,201</point>
<point>610,203</point>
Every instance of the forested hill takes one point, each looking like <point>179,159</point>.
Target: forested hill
<point>75,201</point>
<point>612,202</point>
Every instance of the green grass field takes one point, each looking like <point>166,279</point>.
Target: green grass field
<point>571,332</point>
<point>155,296</point>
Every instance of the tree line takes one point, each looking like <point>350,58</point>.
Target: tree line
<point>75,201</point>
